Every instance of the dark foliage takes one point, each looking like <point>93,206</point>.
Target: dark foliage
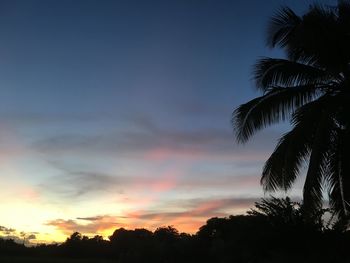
<point>276,230</point>
<point>311,88</point>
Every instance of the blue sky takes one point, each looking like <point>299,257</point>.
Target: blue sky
<point>117,113</point>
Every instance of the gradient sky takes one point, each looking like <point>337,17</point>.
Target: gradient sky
<point>117,113</point>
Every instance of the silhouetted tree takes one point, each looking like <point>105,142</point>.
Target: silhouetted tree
<point>282,212</point>
<point>235,238</point>
<point>80,246</point>
<point>312,88</point>
<point>166,234</point>
<point>166,240</point>
<point>274,231</point>
<point>132,245</point>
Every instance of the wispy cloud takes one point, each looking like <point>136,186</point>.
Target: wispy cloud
<point>77,183</point>
<point>145,139</point>
<point>73,183</point>
<point>195,210</point>
<point>43,118</point>
<point>137,143</point>
<point>189,217</point>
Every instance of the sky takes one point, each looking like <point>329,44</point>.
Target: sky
<point>117,113</point>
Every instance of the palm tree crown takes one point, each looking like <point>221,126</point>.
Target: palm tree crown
<point>311,88</point>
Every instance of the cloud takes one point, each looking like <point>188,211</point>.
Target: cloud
<point>42,118</point>
<point>141,138</point>
<point>75,183</point>
<point>199,157</point>
<point>200,109</point>
<point>189,215</point>
<point>94,225</point>
<point>19,237</point>
<point>80,183</point>
<point>92,218</point>
<point>6,230</point>
<point>137,143</point>
<point>146,159</point>
<point>199,208</point>
<point>77,186</point>
<point>223,181</point>
<point>185,214</point>
<point>31,237</point>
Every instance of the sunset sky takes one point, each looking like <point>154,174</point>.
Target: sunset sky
<point>117,113</point>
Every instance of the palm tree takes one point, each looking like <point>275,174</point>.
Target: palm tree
<point>311,88</point>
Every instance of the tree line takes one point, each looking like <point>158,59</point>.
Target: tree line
<point>275,230</point>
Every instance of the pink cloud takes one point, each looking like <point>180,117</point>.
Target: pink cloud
<point>192,218</point>
<point>163,154</point>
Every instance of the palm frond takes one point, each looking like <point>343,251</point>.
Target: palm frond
<point>281,27</point>
<point>344,12</point>
<point>344,172</point>
<point>318,164</point>
<point>319,40</point>
<point>333,178</point>
<point>338,176</point>
<point>311,87</point>
<point>276,105</point>
<point>283,166</point>
<point>270,72</point>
